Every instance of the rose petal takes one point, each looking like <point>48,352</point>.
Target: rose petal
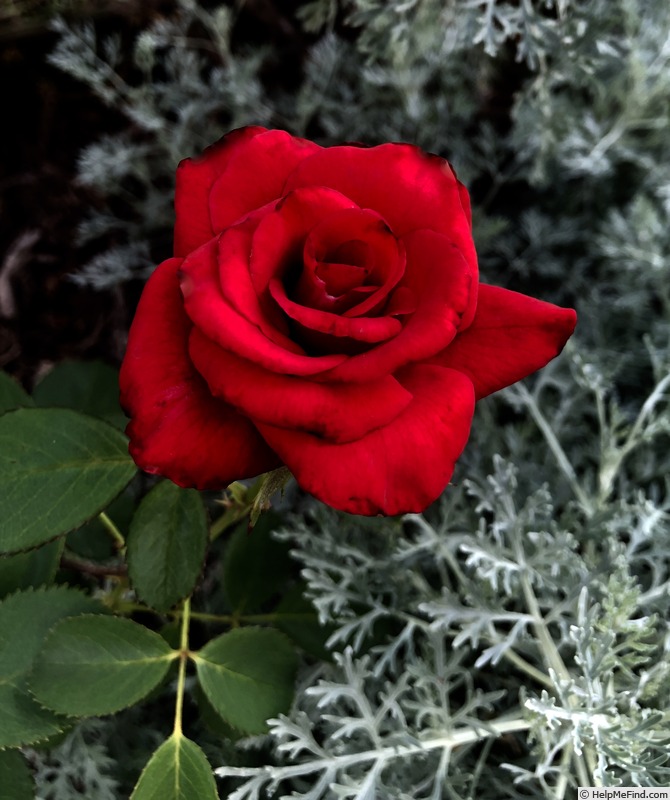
<point>338,411</point>
<point>364,237</point>
<point>410,189</point>
<point>219,321</point>
<point>360,329</point>
<point>177,428</point>
<point>512,336</point>
<point>235,281</point>
<point>278,240</point>
<point>439,279</point>
<point>402,467</point>
<point>256,174</point>
<point>195,178</point>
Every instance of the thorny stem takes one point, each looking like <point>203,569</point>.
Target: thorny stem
<point>183,658</point>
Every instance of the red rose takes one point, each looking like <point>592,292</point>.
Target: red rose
<point>323,311</point>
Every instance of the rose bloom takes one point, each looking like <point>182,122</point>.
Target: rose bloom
<point>323,311</point>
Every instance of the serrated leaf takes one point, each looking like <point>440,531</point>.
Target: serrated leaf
<point>247,675</point>
<point>16,782</point>
<point>58,468</point>
<point>255,566</point>
<point>90,387</point>
<point>32,569</point>
<point>178,770</point>
<point>94,665</point>
<point>25,619</point>
<point>166,545</point>
<point>12,395</point>
<point>213,721</point>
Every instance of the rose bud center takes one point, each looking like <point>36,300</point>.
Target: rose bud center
<point>347,258</point>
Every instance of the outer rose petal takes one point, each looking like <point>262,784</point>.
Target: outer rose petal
<point>177,428</point>
<point>195,178</point>
<point>399,468</point>
<point>337,411</point>
<point>255,174</point>
<point>411,189</point>
<point>511,336</point>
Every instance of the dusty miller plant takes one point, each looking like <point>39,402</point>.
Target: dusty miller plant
<point>513,641</point>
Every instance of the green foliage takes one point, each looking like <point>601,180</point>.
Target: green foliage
<point>25,619</point>
<point>95,665</point>
<point>296,617</point>
<point>57,469</point>
<point>15,780</point>
<point>31,569</point>
<point>62,659</point>
<point>12,395</point>
<point>178,770</point>
<point>166,545</point>
<point>87,386</point>
<point>254,566</point>
<point>247,676</point>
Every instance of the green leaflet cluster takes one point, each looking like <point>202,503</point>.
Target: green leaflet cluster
<point>66,656</point>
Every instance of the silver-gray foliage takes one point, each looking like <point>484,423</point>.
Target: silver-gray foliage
<point>496,646</point>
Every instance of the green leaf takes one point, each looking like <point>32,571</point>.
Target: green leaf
<point>94,665</point>
<point>57,470</point>
<point>167,544</point>
<point>32,569</point>
<point>16,782</point>
<point>212,720</point>
<point>12,395</point>
<point>87,386</point>
<point>178,770</point>
<point>248,676</point>
<point>25,619</point>
<point>296,617</point>
<point>255,566</point>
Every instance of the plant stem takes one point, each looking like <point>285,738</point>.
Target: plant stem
<point>524,666</point>
<point>555,447</point>
<point>633,438</point>
<point>562,781</point>
<point>547,646</point>
<point>183,658</point>
<point>456,738</point>
<point>113,531</point>
<point>71,561</point>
